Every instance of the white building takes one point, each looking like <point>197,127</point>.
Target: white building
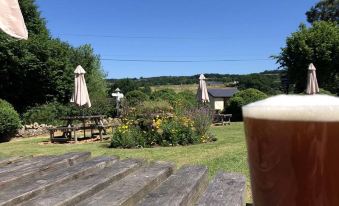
<point>219,97</point>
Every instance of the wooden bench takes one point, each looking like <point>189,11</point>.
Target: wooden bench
<point>74,179</point>
<point>66,134</point>
<point>222,119</point>
<point>102,129</point>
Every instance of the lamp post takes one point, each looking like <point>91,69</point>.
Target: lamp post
<point>118,97</point>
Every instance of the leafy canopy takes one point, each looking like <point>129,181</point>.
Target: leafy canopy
<point>325,10</point>
<point>318,44</point>
<point>40,69</point>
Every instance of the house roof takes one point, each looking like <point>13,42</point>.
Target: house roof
<point>227,92</point>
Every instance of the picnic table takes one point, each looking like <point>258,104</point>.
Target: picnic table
<point>70,128</point>
<point>222,119</point>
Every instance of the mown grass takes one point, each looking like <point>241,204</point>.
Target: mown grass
<point>228,153</point>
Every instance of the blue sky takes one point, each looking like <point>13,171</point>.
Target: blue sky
<point>193,33</point>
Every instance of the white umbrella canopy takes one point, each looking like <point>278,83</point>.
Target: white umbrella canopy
<point>11,19</point>
<point>80,94</point>
<point>202,93</point>
<point>312,83</point>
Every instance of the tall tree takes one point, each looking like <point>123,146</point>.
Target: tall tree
<point>318,44</point>
<point>41,69</point>
<point>325,10</point>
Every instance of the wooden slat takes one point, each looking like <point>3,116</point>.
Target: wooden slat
<point>74,191</point>
<point>181,188</point>
<point>32,187</point>
<point>11,161</point>
<point>45,165</point>
<point>132,188</point>
<point>226,189</point>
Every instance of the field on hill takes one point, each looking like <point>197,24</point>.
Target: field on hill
<point>179,88</point>
<point>176,88</point>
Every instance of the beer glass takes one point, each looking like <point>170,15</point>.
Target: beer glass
<point>293,150</point>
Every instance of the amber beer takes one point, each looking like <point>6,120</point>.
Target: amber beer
<point>293,150</point>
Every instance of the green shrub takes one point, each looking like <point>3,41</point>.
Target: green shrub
<point>184,101</point>
<point>159,131</point>
<point>203,118</point>
<point>168,95</point>
<point>9,121</point>
<point>47,113</point>
<point>177,131</point>
<point>136,97</point>
<point>323,91</point>
<point>100,106</point>
<point>242,98</point>
<point>127,136</point>
<point>151,109</point>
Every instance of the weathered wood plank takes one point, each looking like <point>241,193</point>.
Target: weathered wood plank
<point>226,189</point>
<point>181,188</point>
<point>133,187</point>
<point>23,164</point>
<point>11,161</point>
<point>41,167</point>
<point>32,187</point>
<point>84,187</point>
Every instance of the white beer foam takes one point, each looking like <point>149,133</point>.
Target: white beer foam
<point>317,108</point>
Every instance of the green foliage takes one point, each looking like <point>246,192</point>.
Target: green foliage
<point>156,124</point>
<point>95,76</point>
<point>146,89</point>
<point>9,121</point>
<point>164,94</point>
<point>46,114</point>
<point>324,10</point>
<point>127,137</point>
<point>186,99</point>
<point>152,108</point>
<point>136,97</point>
<point>323,91</point>
<point>243,98</point>
<point>202,120</point>
<point>268,84</point>
<point>34,23</point>
<point>40,69</point>
<point>125,85</point>
<point>319,45</point>
<point>100,106</point>
<point>177,131</point>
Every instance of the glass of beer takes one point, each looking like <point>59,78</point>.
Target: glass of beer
<point>293,150</point>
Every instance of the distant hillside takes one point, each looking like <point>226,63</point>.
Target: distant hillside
<point>267,81</point>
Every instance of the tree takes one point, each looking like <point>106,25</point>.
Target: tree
<point>270,84</point>
<point>9,121</point>
<point>318,44</point>
<point>40,69</point>
<point>325,10</point>
<point>168,95</point>
<point>241,99</point>
<point>125,85</point>
<point>136,97</point>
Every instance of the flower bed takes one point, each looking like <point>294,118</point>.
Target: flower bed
<point>164,130</point>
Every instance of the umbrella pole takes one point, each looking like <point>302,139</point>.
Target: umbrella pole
<point>83,121</point>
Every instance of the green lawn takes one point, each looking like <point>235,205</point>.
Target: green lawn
<point>228,153</point>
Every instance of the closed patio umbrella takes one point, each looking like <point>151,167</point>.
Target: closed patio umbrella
<point>312,83</point>
<point>202,93</point>
<point>11,19</point>
<point>80,94</point>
